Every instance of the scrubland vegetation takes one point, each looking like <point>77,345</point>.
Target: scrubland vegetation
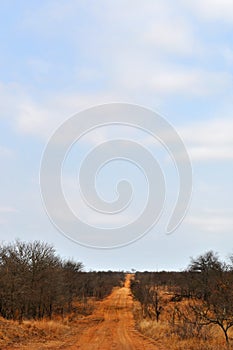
<point>192,309</point>
<point>36,283</point>
<point>45,297</point>
<point>38,288</point>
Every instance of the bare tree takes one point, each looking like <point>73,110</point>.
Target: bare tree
<point>146,290</point>
<point>213,300</point>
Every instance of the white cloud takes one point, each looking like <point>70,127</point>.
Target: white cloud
<point>144,70</point>
<point>207,153</point>
<point>11,96</point>
<point>206,140</point>
<point>209,140</point>
<point>212,222</point>
<point>33,119</point>
<point>5,152</point>
<point>7,209</point>
<point>140,72</point>
<point>212,9</point>
<point>173,36</point>
<point>190,82</point>
<point>41,119</point>
<point>165,79</point>
<point>156,32</point>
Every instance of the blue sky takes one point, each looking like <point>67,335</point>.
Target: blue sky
<point>175,57</point>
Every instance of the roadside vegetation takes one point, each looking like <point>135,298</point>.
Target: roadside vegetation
<point>192,309</point>
<point>45,297</point>
<point>42,294</point>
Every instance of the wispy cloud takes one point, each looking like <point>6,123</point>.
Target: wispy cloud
<point>212,10</point>
<point>211,222</point>
<point>165,79</point>
<point>8,209</point>
<point>6,152</point>
<point>171,56</point>
<point>5,214</point>
<point>210,139</point>
<point>161,35</point>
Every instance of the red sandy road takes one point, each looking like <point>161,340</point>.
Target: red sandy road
<point>110,327</point>
<point>115,329</point>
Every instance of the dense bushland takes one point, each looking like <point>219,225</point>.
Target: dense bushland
<point>190,303</point>
<point>37,283</point>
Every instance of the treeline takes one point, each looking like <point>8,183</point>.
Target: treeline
<point>36,283</point>
<point>206,286</point>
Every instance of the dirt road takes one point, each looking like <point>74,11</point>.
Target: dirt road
<point>115,328</point>
<point>110,327</point>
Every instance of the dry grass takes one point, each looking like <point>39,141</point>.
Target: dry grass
<point>175,336</point>
<point>13,333</point>
<point>162,333</point>
<point>15,336</point>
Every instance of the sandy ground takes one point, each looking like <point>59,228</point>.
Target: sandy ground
<point>116,327</point>
<point>110,327</point>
